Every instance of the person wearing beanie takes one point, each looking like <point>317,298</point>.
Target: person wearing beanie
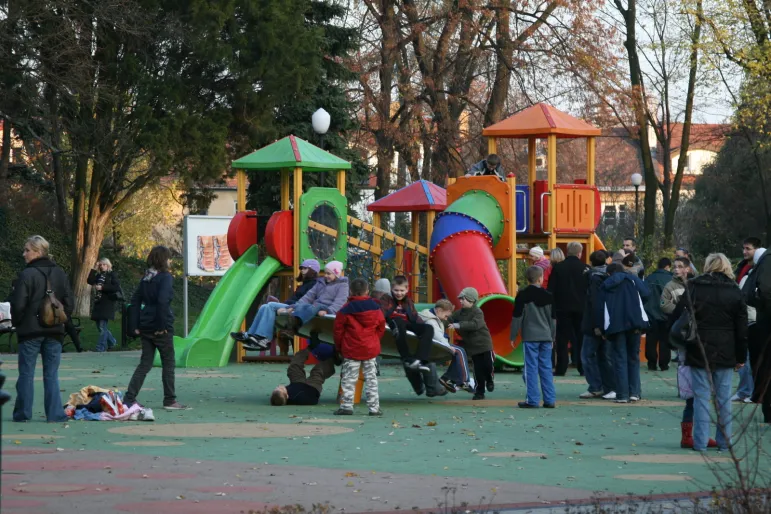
<point>303,389</point>
<point>536,256</point>
<point>382,288</point>
<point>260,333</point>
<point>469,323</point>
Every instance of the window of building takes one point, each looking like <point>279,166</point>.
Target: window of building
<point>609,215</point>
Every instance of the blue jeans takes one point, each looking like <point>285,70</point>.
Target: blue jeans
<point>538,366</point>
<point>746,382</point>
<point>305,312</point>
<point>51,350</point>
<point>625,348</point>
<point>721,378</point>
<point>106,339</point>
<point>458,369</point>
<point>264,321</point>
<point>598,367</point>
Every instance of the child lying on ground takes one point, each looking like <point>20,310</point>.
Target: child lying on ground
<point>302,389</point>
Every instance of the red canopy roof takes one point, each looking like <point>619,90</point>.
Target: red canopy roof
<point>419,196</point>
<point>540,121</point>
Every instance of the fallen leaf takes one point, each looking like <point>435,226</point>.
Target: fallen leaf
<point>431,423</point>
<point>351,474</point>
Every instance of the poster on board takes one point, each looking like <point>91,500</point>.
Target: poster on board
<point>206,246</point>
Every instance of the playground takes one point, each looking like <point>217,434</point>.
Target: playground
<point>235,453</point>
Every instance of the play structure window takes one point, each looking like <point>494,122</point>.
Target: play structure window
<point>323,245</point>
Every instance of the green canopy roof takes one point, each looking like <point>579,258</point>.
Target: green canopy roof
<point>291,152</point>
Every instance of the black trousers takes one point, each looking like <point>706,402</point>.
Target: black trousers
<point>424,333</point>
<point>759,339</point>
<point>568,330</point>
<point>484,370</point>
<point>657,348</point>
<point>164,343</point>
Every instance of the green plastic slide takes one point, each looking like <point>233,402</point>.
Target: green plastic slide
<point>209,344</point>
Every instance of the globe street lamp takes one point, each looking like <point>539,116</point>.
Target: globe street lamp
<point>320,121</point>
<point>636,182</point>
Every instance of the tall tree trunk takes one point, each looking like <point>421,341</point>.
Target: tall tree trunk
<point>504,50</point>
<point>5,151</point>
<point>638,101</point>
<point>671,209</point>
<point>94,235</point>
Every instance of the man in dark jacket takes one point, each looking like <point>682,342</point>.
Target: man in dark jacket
<point>568,285</point>
<point>595,356</point>
<point>760,298</point>
<point>620,315</point>
<point>34,338</point>
<point>657,336</point>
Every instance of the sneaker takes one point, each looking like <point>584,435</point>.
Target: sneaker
<point>239,336</point>
<point>414,364</point>
<point>376,413</point>
<point>610,396</point>
<point>619,400</point>
<point>490,386</point>
<point>478,397</point>
<point>449,385</point>
<point>634,398</point>
<point>343,412</point>
<point>747,400</point>
<point>177,406</point>
<point>525,405</point>
<point>548,405</point>
<point>423,366</point>
<point>440,391</point>
<point>590,394</point>
<point>664,368</point>
<point>469,388</point>
<point>145,415</point>
<point>255,343</point>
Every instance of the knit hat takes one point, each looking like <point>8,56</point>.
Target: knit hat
<point>629,260</point>
<point>618,257</point>
<point>470,294</point>
<point>311,264</point>
<point>335,267</point>
<point>382,286</point>
<point>536,252</point>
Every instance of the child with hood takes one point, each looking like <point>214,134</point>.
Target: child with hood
<point>457,375</point>
<point>469,323</point>
<point>260,333</point>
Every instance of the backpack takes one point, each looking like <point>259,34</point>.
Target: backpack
<point>51,311</point>
<point>750,287</point>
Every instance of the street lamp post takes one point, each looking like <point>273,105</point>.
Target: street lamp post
<point>320,121</point>
<point>636,182</point>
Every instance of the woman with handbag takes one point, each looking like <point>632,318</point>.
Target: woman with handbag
<point>717,308</point>
<point>673,291</point>
<point>106,292</point>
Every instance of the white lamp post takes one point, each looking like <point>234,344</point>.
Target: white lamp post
<point>636,182</point>
<point>320,121</point>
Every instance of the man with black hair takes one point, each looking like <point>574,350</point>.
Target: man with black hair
<point>657,336</point>
<point>489,166</point>
<point>682,252</point>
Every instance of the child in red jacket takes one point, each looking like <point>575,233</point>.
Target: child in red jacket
<point>359,325</point>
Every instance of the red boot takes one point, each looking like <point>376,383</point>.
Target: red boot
<point>686,441</point>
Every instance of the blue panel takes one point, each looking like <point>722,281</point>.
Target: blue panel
<point>449,223</point>
<point>522,202</point>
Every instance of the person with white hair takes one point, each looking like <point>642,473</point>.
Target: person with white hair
<point>107,292</point>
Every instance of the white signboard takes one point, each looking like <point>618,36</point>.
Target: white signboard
<point>206,246</point>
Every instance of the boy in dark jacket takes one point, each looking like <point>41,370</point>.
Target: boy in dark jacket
<point>469,323</point>
<point>153,321</point>
<point>534,316</point>
<point>620,316</point>
<point>359,325</point>
<point>302,389</point>
<point>657,336</point>
<point>401,316</point>
<point>595,354</point>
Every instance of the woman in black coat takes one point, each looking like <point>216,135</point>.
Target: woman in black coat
<point>106,288</point>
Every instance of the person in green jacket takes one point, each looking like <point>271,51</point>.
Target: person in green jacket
<point>657,336</point>
<point>469,323</point>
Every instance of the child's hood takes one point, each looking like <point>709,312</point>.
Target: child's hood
<point>429,314</point>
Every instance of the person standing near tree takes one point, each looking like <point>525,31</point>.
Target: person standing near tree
<point>106,287</point>
<point>568,284</point>
<point>657,336</point>
<point>35,280</point>
<point>750,247</point>
<point>152,320</point>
